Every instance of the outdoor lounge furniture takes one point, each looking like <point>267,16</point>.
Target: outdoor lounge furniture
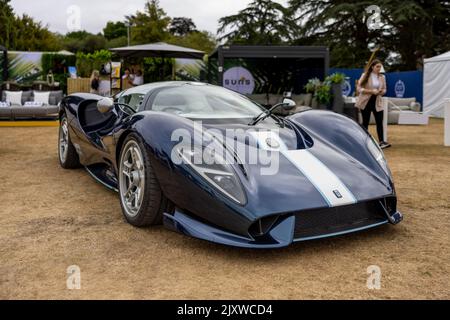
<point>22,112</point>
<point>401,109</point>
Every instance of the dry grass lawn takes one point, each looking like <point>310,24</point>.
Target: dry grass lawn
<point>51,218</point>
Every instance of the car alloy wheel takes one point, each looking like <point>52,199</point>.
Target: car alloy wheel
<point>63,140</point>
<point>132,178</point>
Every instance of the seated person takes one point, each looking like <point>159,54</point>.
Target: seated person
<point>137,80</point>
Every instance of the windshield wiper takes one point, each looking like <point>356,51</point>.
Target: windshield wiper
<point>267,113</point>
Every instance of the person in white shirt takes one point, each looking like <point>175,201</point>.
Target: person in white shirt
<point>138,79</point>
<point>371,88</point>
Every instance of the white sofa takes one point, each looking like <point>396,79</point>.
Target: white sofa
<point>18,112</point>
<point>398,105</point>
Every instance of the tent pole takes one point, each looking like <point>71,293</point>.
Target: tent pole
<point>162,69</point>
<point>173,68</point>
<point>5,66</point>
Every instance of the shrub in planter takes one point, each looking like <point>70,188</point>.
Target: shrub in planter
<point>323,95</point>
<point>336,80</point>
<point>312,85</point>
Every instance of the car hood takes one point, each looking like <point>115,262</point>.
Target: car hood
<point>306,171</point>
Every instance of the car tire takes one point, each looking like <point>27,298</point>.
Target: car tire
<point>68,157</point>
<point>143,207</point>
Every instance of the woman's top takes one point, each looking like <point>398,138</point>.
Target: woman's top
<point>365,91</point>
<point>138,80</point>
<point>375,81</point>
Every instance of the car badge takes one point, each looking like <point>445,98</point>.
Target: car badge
<point>272,143</point>
<point>337,194</point>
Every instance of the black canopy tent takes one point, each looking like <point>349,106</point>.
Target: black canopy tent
<point>302,62</point>
<point>4,64</point>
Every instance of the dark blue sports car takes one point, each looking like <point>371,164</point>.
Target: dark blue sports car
<point>212,164</point>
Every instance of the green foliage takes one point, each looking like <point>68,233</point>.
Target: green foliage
<point>23,33</point>
<point>82,41</point>
<point>323,94</point>
<point>410,29</point>
<point>157,69</point>
<point>200,40</point>
<point>149,26</point>
<point>117,42</point>
<point>115,30</point>
<point>87,62</point>
<point>337,78</point>
<point>58,64</point>
<point>320,90</point>
<point>7,23</point>
<point>77,35</point>
<point>182,26</point>
<point>262,22</point>
<point>312,85</point>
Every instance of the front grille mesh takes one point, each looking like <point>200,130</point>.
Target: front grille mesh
<point>319,222</point>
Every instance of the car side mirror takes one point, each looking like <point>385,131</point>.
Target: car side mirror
<point>288,104</point>
<point>105,105</point>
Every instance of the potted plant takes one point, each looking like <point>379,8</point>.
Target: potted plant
<point>323,95</point>
<point>336,80</point>
<point>311,88</point>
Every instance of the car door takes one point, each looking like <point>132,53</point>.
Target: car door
<point>105,137</point>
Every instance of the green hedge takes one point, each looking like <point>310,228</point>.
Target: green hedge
<point>58,64</point>
<point>87,62</point>
<point>155,70</point>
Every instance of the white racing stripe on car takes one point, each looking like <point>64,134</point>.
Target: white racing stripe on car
<point>332,189</point>
<point>326,182</point>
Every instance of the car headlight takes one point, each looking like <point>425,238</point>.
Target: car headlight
<point>213,167</point>
<point>377,153</point>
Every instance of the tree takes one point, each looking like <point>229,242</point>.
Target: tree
<point>182,26</point>
<point>93,43</point>
<point>84,41</point>
<point>419,29</point>
<point>262,22</point>
<point>340,25</point>
<point>7,20</point>
<point>29,35</point>
<point>409,29</point>
<point>115,30</point>
<point>149,26</point>
<point>200,40</point>
<point>77,35</point>
<point>117,42</point>
<point>23,33</point>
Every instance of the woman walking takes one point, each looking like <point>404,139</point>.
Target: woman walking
<point>95,82</point>
<point>371,88</point>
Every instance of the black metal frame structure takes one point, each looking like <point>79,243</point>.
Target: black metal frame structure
<point>4,51</point>
<point>276,52</point>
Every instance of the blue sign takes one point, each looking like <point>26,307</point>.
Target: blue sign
<point>399,89</point>
<point>406,84</point>
<point>346,88</point>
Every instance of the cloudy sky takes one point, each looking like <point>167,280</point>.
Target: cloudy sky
<point>95,13</point>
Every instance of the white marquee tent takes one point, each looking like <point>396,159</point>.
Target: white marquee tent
<point>436,83</point>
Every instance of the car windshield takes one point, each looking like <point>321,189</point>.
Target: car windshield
<point>202,101</point>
